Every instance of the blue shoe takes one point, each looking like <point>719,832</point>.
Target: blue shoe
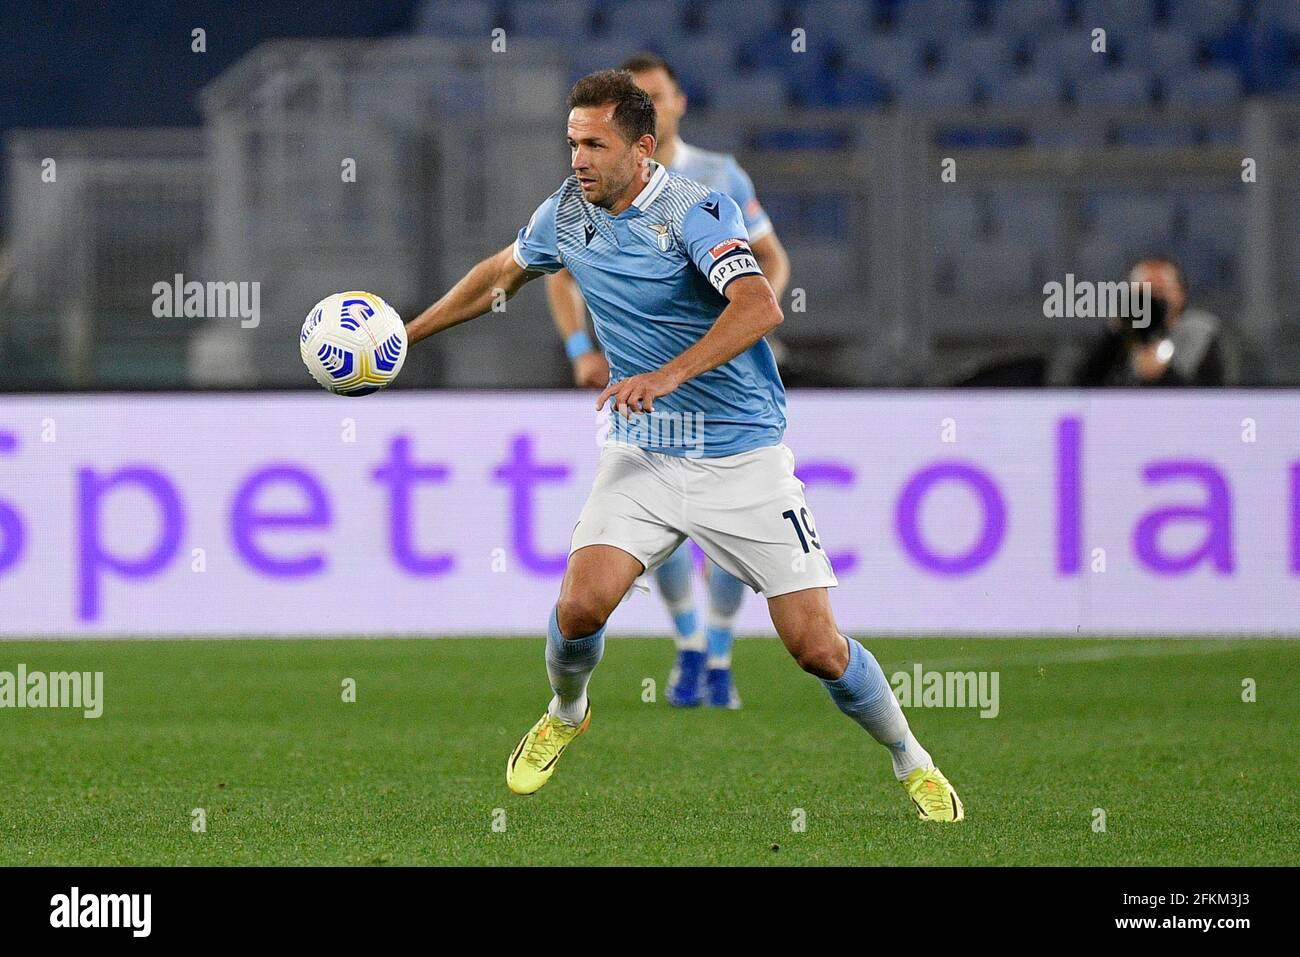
<point>684,683</point>
<point>721,692</point>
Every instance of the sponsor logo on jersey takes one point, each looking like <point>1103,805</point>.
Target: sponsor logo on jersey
<point>720,250</point>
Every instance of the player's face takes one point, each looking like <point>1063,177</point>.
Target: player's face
<point>605,163</point>
<point>668,98</point>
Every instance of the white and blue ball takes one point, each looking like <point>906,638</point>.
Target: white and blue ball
<point>353,343</point>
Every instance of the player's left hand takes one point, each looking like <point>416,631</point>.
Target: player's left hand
<point>637,393</point>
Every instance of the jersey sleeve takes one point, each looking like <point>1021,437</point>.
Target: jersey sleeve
<point>536,247</point>
<point>713,232</point>
<point>741,188</point>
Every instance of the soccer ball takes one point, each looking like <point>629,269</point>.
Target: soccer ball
<point>353,343</point>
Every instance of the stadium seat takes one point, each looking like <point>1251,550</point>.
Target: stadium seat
<point>1073,136</point>
<point>551,19</point>
<point>754,92</point>
<point>815,62</point>
<point>755,18</point>
<point>1223,131</point>
<point>1025,91</point>
<point>1156,132</point>
<point>772,51</point>
<point>696,57</point>
<point>851,89</point>
<point>1283,14</point>
<point>718,139</point>
<point>1020,17</point>
<point>1214,86</point>
<point>833,17</point>
<point>893,57</point>
<point>1203,18</point>
<point>1261,54</point>
<point>776,140</point>
<point>979,136</point>
<point>1162,52</point>
<point>1115,16</point>
<point>989,58</point>
<point>1068,54</point>
<point>661,19</point>
<point>458,18</point>
<point>603,54</point>
<point>934,92</point>
<point>1113,89</point>
<point>936,18</point>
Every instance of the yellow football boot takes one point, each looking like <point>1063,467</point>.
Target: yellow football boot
<point>533,761</point>
<point>933,796</point>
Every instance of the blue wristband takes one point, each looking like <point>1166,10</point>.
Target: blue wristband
<point>578,344</point>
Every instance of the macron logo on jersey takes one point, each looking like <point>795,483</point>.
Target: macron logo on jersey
<point>732,258</point>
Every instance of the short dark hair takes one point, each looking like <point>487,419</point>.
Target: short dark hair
<point>634,112</point>
<point>645,61</point>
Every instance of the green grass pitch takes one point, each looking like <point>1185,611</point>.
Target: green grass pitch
<point>256,733</point>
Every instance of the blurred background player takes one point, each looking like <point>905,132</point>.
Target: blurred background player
<point>703,666</point>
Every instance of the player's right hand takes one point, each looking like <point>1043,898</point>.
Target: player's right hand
<point>591,371</point>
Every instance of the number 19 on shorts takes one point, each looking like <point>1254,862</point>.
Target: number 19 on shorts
<point>803,528</point>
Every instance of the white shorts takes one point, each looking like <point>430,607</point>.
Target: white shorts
<point>747,512</point>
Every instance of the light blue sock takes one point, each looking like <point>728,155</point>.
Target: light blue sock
<point>674,579</point>
<point>569,664</point>
<point>726,592</point>
<point>865,696</point>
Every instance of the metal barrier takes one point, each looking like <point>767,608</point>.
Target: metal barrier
<point>96,217</point>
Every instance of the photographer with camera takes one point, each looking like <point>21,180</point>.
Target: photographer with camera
<point>1177,347</point>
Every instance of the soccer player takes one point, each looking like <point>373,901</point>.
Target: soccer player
<point>703,656</point>
<point>681,307</point>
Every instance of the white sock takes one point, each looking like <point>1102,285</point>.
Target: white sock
<point>695,641</point>
<point>569,710</point>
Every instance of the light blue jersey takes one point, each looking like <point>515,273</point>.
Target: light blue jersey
<point>720,171</point>
<point>653,277</point>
